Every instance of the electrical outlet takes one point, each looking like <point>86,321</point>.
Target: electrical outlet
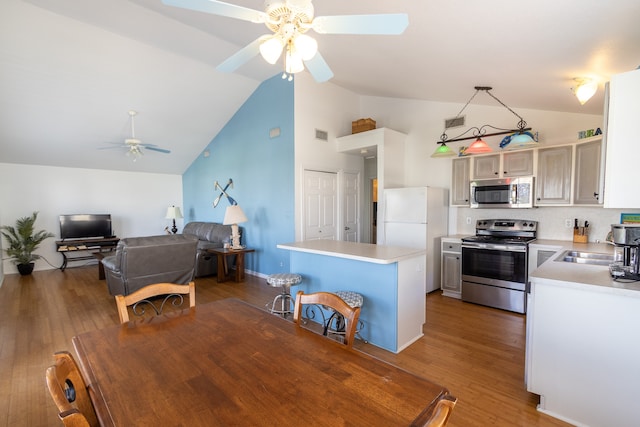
<point>468,220</point>
<point>568,223</point>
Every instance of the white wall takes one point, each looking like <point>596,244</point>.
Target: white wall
<point>136,201</point>
<point>326,107</point>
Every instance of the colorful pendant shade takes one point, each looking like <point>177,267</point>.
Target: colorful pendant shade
<point>478,147</point>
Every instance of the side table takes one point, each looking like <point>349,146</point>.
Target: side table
<point>223,267</point>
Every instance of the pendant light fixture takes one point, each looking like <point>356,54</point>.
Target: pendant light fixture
<point>519,137</point>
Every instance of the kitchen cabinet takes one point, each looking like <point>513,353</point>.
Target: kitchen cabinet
<point>553,180</point>
<point>579,355</point>
<point>451,259</point>
<point>622,148</point>
<point>517,163</point>
<point>503,165</point>
<point>486,166</point>
<point>460,182</point>
<point>587,173</point>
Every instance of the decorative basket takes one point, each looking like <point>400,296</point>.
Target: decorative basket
<point>362,125</point>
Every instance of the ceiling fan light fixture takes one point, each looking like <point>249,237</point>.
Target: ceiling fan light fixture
<point>293,62</point>
<point>271,49</point>
<point>306,45</point>
<point>585,89</point>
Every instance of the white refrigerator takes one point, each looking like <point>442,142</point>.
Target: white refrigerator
<point>417,217</point>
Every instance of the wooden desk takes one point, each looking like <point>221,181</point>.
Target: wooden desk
<point>223,266</point>
<point>229,363</point>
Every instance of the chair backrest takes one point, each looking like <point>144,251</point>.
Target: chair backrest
<point>333,301</point>
<point>140,298</point>
<point>69,392</point>
<point>142,261</point>
<point>438,415</point>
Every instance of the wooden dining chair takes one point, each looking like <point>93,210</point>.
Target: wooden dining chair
<point>69,392</point>
<point>333,301</point>
<point>141,299</point>
<point>436,415</point>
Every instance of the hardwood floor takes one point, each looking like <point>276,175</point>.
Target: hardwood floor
<point>476,352</point>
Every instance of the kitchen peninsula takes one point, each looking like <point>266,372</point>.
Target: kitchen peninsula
<point>390,278</point>
<point>582,349</point>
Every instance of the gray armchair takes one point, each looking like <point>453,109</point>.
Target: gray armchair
<point>141,261</point>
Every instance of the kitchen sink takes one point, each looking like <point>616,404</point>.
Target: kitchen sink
<point>580,257</point>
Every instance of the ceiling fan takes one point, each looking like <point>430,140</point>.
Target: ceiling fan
<point>133,145</point>
<point>289,20</point>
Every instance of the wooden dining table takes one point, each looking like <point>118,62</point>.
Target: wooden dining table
<point>228,363</point>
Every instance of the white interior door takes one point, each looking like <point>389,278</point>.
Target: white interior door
<point>320,205</point>
<point>351,208</point>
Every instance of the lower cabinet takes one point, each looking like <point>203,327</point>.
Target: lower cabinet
<point>451,267</point>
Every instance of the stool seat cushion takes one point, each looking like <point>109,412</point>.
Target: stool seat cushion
<point>284,279</point>
<point>354,299</point>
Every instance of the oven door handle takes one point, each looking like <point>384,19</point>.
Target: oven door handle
<point>495,247</point>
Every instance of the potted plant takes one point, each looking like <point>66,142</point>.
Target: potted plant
<point>23,241</point>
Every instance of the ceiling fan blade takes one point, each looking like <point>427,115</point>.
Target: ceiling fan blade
<point>240,57</point>
<point>220,8</point>
<point>161,150</point>
<point>319,68</point>
<point>394,23</point>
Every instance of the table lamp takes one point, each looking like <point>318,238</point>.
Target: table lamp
<point>233,216</point>
<point>173,212</point>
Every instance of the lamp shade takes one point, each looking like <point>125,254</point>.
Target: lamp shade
<point>173,212</point>
<point>306,46</point>
<point>271,49</point>
<point>585,90</point>
<point>443,151</point>
<point>478,147</point>
<point>234,215</point>
<point>521,140</point>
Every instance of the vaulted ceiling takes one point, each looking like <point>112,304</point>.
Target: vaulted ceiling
<point>70,70</point>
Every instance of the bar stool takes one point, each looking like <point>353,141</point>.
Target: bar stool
<point>284,280</point>
<point>335,325</point>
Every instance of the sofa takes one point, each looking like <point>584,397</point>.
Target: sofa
<point>141,261</point>
<point>210,235</point>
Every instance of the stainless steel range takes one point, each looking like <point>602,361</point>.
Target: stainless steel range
<point>494,263</point>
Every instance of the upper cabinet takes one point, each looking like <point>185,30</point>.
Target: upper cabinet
<point>586,188</point>
<point>505,165</point>
<point>565,175</point>
<point>486,166</point>
<point>517,163</point>
<point>622,148</point>
<point>553,180</point>
<point>460,182</point>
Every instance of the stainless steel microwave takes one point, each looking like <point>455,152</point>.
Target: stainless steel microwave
<point>514,192</point>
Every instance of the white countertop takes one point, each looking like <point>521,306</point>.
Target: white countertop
<point>596,277</point>
<point>367,252</point>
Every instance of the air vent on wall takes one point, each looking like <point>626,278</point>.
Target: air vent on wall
<point>454,123</point>
<point>322,135</point>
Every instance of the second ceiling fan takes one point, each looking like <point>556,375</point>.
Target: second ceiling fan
<point>289,20</point>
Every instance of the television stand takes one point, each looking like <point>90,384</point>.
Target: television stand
<point>85,247</point>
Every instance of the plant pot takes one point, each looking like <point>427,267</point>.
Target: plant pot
<point>26,269</point>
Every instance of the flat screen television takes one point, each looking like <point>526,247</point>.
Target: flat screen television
<point>85,226</point>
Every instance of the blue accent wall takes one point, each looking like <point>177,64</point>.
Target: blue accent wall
<point>262,169</point>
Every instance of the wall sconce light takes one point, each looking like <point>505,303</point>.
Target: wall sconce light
<point>585,88</point>
<point>520,137</point>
